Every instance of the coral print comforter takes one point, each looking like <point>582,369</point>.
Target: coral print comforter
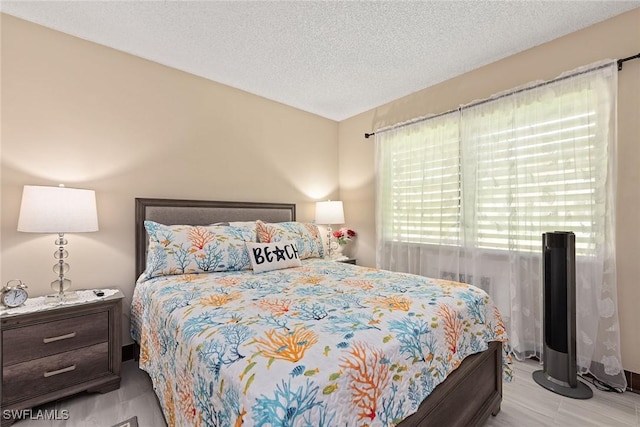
<point>325,344</point>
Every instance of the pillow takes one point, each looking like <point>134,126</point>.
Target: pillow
<point>181,249</point>
<point>306,236</point>
<point>273,256</point>
<point>247,224</point>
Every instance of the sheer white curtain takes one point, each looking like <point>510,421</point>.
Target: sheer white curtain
<point>467,196</point>
<point>418,208</point>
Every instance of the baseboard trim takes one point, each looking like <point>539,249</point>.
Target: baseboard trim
<point>633,381</point>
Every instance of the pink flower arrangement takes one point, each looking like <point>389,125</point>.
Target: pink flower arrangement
<point>344,235</point>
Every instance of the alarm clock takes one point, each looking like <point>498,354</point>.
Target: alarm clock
<point>13,294</point>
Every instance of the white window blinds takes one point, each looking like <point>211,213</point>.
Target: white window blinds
<point>499,174</point>
<point>420,179</point>
<point>533,171</point>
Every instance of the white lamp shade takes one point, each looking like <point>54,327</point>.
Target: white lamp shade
<point>57,210</point>
<point>330,212</point>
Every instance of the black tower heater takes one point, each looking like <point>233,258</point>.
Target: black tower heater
<point>559,373</point>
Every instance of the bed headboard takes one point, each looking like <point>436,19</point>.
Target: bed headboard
<point>201,212</point>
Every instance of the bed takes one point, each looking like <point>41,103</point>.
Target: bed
<point>323,343</point>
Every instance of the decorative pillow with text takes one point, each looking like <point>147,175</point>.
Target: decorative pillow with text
<point>273,256</point>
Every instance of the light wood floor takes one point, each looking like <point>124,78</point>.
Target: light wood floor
<point>524,404</point>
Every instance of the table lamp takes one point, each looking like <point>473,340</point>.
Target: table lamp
<point>329,213</point>
<point>58,210</point>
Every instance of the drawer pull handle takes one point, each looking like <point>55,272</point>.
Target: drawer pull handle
<point>61,337</point>
<point>59,371</point>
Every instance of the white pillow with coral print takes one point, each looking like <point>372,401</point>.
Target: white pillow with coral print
<point>187,249</point>
<point>306,236</point>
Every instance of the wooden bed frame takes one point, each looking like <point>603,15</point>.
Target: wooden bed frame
<point>468,396</point>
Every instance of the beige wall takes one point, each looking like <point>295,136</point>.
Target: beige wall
<point>618,37</point>
<point>81,114</point>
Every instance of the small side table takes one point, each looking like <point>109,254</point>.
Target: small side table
<point>51,352</point>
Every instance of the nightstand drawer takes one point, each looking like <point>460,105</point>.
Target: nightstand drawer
<point>40,376</point>
<point>44,339</point>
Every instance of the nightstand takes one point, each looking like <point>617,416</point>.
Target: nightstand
<point>349,261</point>
<point>60,351</point>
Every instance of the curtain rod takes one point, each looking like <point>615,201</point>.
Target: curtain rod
<point>628,58</point>
<point>410,122</point>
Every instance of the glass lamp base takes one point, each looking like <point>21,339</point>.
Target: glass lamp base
<point>61,285</point>
<point>62,293</point>
<point>62,297</point>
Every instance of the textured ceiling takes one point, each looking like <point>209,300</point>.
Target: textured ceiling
<point>332,58</point>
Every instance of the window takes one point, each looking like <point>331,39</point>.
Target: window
<point>499,174</point>
<point>421,183</point>
<point>467,196</point>
<point>535,173</point>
